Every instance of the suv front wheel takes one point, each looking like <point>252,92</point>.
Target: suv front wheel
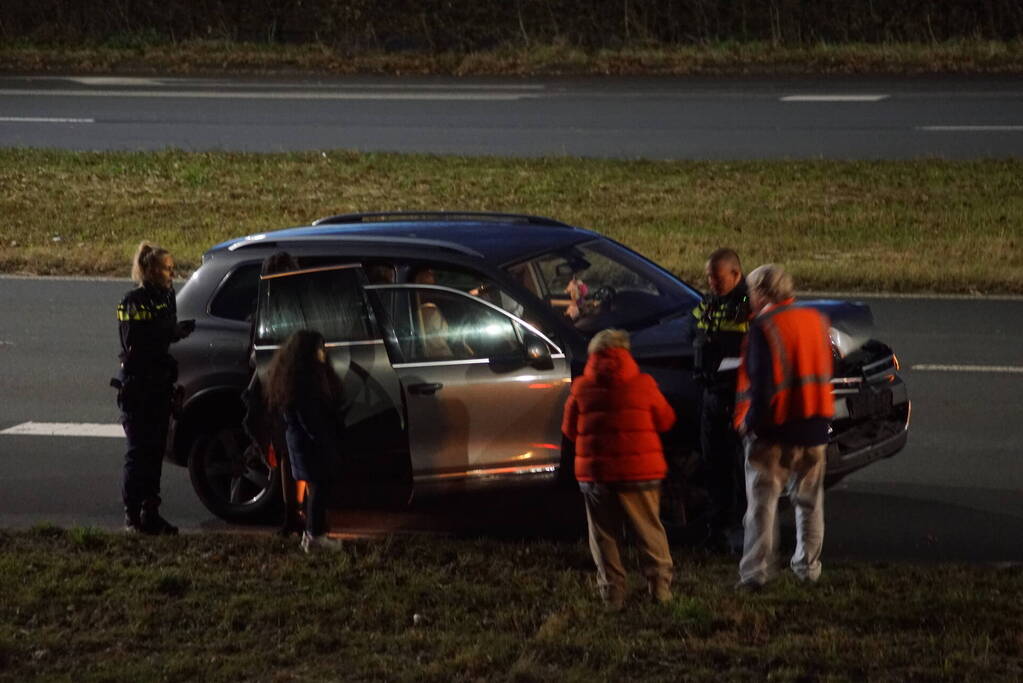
<point>232,478</point>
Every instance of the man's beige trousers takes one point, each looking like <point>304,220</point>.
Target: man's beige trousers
<point>770,468</point>
<point>607,510</point>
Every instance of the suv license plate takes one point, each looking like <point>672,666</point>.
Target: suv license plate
<point>869,403</point>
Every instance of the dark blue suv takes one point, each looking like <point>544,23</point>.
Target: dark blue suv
<point>457,336</point>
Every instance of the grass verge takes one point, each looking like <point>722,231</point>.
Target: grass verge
<point>724,58</point>
<point>87,605</point>
<point>922,226</point>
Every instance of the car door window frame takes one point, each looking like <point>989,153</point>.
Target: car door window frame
<point>518,324</point>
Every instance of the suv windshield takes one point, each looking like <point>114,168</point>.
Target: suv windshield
<point>599,284</point>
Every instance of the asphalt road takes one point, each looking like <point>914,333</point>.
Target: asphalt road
<point>665,118</point>
<point>954,493</point>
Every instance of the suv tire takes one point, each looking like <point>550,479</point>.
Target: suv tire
<point>232,479</point>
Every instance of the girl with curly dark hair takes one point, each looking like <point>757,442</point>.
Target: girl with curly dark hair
<point>303,386</point>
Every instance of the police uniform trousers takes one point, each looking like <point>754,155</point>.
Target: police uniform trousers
<point>723,460</point>
<point>144,415</point>
<point>771,468</point>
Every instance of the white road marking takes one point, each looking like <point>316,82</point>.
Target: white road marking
<point>184,82</point>
<point>41,119</point>
<point>1003,369</point>
<point>834,98</point>
<point>65,429</point>
<point>919,296</point>
<point>972,129</point>
<point>73,278</point>
<point>307,95</point>
<point>113,80</point>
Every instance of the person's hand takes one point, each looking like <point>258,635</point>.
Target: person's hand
<point>185,328</point>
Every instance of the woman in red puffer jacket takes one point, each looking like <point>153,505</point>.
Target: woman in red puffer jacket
<point>614,415</point>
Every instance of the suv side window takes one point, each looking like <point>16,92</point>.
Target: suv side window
<point>436,326</point>
<point>329,301</point>
<point>478,285</point>
<point>235,299</point>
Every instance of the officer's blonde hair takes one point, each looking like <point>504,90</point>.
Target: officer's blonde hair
<point>609,339</point>
<point>772,282</point>
<point>147,257</point>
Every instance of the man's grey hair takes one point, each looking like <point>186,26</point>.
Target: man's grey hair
<point>772,282</point>
<point>609,339</point>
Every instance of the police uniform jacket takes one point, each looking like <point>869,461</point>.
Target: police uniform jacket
<point>721,323</point>
<point>148,324</point>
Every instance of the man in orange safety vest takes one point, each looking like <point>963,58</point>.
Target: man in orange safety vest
<point>783,408</point>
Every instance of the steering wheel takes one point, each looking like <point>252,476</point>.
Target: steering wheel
<point>604,296</point>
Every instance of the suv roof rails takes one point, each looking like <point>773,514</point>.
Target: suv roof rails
<point>333,239</point>
<point>348,218</point>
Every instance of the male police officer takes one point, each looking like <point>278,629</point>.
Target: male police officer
<point>722,319</point>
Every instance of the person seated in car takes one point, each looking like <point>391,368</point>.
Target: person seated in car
<point>432,324</point>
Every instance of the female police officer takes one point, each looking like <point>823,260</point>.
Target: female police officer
<point>147,318</point>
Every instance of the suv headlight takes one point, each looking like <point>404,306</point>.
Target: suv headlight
<point>843,342</point>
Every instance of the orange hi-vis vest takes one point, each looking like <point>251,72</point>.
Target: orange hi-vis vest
<point>801,363</point>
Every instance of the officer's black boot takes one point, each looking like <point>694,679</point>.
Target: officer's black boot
<point>152,523</point>
<point>132,519</point>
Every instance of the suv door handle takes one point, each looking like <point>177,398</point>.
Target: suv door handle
<point>426,389</point>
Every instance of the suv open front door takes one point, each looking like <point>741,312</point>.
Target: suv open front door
<point>483,389</point>
<point>373,466</point>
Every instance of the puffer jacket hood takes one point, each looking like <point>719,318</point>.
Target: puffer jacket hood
<point>614,415</point>
<point>611,366</point>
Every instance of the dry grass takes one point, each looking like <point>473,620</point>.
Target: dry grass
<point>214,57</point>
<point>896,226</point>
<point>87,606</point>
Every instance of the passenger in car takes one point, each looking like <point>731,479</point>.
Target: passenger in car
<point>263,426</point>
<point>303,386</point>
<point>614,415</point>
<point>433,326</point>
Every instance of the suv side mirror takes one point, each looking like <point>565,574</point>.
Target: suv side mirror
<point>538,354</point>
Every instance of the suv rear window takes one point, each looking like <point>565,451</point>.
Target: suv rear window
<point>328,301</point>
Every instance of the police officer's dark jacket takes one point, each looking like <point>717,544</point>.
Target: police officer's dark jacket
<point>148,323</point>
<point>721,323</point>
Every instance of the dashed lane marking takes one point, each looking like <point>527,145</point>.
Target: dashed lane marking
<point>42,119</point>
<point>1003,369</point>
<point>972,129</point>
<point>834,98</point>
<point>65,429</point>
<point>300,95</point>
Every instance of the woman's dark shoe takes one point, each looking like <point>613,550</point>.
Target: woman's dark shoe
<point>153,524</point>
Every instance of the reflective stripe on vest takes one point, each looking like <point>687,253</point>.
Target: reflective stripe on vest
<point>131,312</point>
<point>721,322</point>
